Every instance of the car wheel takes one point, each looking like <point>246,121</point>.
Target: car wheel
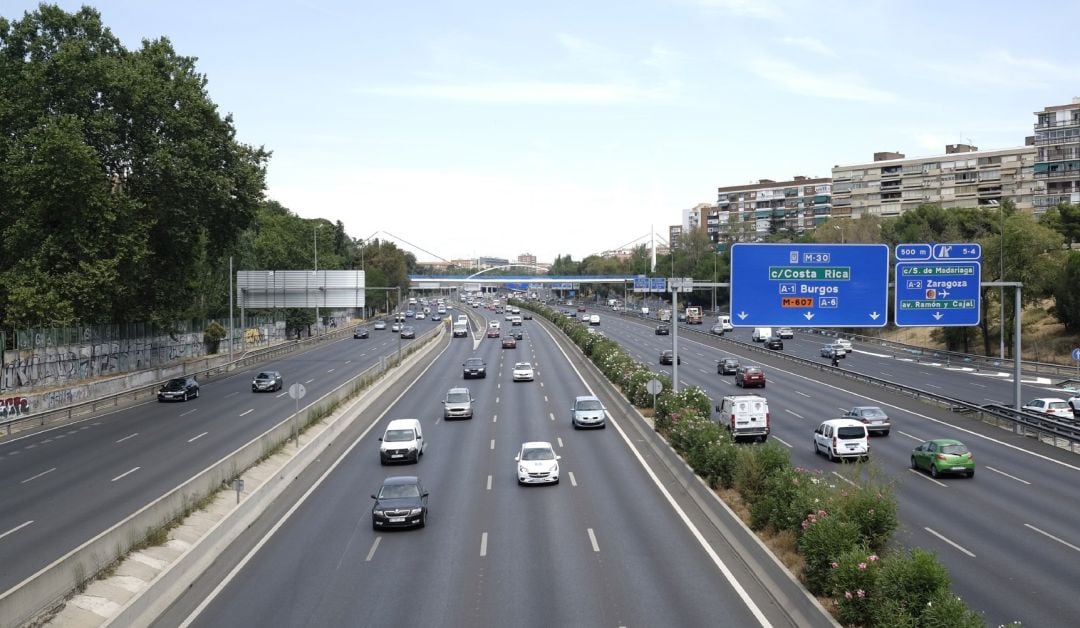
<point>829,454</point>
<point>374,526</point>
<point>913,464</point>
<point>196,393</point>
<point>933,470</point>
<point>885,433</point>
<point>187,395</point>
<point>971,473</point>
<point>423,520</point>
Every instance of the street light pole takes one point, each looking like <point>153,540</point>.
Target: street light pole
<point>1001,277</point>
<point>315,229</point>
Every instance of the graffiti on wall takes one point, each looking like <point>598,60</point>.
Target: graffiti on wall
<point>13,407</point>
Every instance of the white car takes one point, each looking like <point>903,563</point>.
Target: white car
<point>844,342</point>
<point>1074,403</point>
<point>523,372</point>
<point>840,439</point>
<point>537,463</point>
<point>396,327</point>
<point>785,333</point>
<point>380,324</point>
<point>1050,405</point>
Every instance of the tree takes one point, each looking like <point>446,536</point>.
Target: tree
<point>1067,293</point>
<point>1065,219</point>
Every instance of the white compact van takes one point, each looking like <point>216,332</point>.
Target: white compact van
<point>746,416</point>
<point>403,441</point>
<point>594,319</point>
<point>842,438</point>
<point>761,334</point>
<point>724,321</point>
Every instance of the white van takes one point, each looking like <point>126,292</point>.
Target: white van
<point>403,441</point>
<point>724,322</point>
<point>761,334</point>
<point>746,416</point>
<point>842,438</point>
<point>594,320</point>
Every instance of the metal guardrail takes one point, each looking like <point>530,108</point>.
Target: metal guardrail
<point>1061,434</point>
<point>150,390</point>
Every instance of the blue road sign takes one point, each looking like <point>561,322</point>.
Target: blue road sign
<point>659,284</point>
<point>941,291</point>
<point>810,285</point>
<point>1076,354</point>
<point>641,284</point>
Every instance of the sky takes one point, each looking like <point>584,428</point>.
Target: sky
<point>461,129</point>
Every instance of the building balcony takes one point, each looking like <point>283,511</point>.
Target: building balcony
<point>1057,124</point>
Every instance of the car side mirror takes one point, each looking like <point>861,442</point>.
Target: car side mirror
<point>517,458</point>
<point>373,497</point>
<point>558,457</point>
<point>380,438</point>
<point>424,494</point>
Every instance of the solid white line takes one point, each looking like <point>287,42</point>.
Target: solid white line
<point>927,477</point>
<point>124,438</point>
<point>559,439</point>
<point>799,392</point>
<point>1027,525</point>
<point>310,380</point>
<point>573,480</point>
<point>909,435</point>
<point>1012,477</point>
<point>783,442</point>
<point>16,528</point>
<point>592,539</point>
<point>247,412</point>
<point>795,414</point>
<point>374,546</point>
<point>34,477</point>
<point>551,415</point>
<point>188,412</point>
<point>483,545</point>
<point>125,473</point>
<point>843,478</point>
<point>489,483</point>
<point>195,438</point>
<point>493,443</point>
<point>950,542</point>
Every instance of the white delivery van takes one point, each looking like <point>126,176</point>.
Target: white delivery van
<point>761,334</point>
<point>403,441</point>
<point>745,416</point>
<point>724,321</point>
<point>594,320</point>
<point>842,438</point>
<point>461,329</point>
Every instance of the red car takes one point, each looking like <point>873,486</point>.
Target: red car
<point>746,376</point>
<point>509,343</point>
<point>493,332</point>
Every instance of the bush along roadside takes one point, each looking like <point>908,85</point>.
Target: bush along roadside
<point>841,532</point>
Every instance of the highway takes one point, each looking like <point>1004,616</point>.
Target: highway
<point>604,547</point>
<point>64,485</point>
<point>1009,537</point>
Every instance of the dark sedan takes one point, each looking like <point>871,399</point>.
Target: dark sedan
<point>408,332</point>
<point>361,332</point>
<point>474,367</point>
<point>268,381</point>
<point>509,343</point>
<point>517,333</point>
<point>402,502</point>
<point>663,330</point>
<point>774,342</point>
<point>727,366</point>
<point>667,357</point>
<point>179,389</point>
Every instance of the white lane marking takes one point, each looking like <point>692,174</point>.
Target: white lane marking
<point>489,483</point>
<point>592,539</point>
<point>57,437</point>
<point>730,577</point>
<point>31,446</point>
<point>909,435</point>
<point>841,477</point>
<point>348,361</point>
<point>124,438</point>
<point>927,477</point>
<point>195,438</point>
<point>783,442</point>
<point>933,385</point>
<point>799,392</point>
<point>310,380</point>
<point>978,384</point>
<point>1011,477</point>
<point>573,480</point>
<point>704,371</point>
<point>494,418</point>
<point>483,545</point>
<point>34,477</point>
<point>545,396</point>
<point>330,371</point>
<point>188,412</point>
<point>559,439</point>
<point>49,440</point>
<point>842,410</point>
<point>371,552</point>
<point>1026,525</point>
<point>684,384</point>
<point>496,399</point>
<point>231,394</point>
<point>493,443</point>
<point>125,473</point>
<point>795,414</point>
<point>888,375</point>
<point>551,415</point>
<point>942,537</point>
<point>16,528</point>
<point>247,412</point>
<point>541,386</point>
<point>282,394</point>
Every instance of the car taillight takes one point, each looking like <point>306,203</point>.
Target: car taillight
<point>767,418</point>
<point>940,456</point>
<point>733,421</point>
<point>834,446</point>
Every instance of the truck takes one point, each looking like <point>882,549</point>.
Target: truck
<point>461,329</point>
<point>664,316</point>
<point>693,316</point>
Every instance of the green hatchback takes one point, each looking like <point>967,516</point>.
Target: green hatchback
<point>944,455</point>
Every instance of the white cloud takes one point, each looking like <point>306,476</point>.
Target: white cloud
<point>661,57</point>
<point>810,44</point>
<point>585,51</point>
<point>526,92</point>
<point>819,85</point>
<point>1001,68</point>
<point>763,9</point>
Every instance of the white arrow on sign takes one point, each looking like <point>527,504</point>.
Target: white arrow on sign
<point>938,315</point>
<point>809,315</point>
<point>743,315</point>
<point>874,315</point>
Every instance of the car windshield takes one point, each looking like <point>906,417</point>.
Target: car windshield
<point>753,371</point>
<point>522,366</point>
<point>474,362</point>
<point>264,376</point>
<point>397,436</point>
<point>589,404</point>
<point>457,397</point>
<point>1057,405</point>
<point>955,449</point>
<point>174,384</point>
<point>398,491</point>
<point>538,453</point>
<point>848,433</point>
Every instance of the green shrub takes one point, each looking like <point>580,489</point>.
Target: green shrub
<point>639,377</point>
<point>912,580</point>
<point>790,494</point>
<point>852,582</point>
<point>756,464</point>
<point>715,462</point>
<point>945,610</point>
<point>891,614</point>
<point>873,508</point>
<point>824,539</point>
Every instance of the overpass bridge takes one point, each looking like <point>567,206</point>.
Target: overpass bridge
<point>517,283</point>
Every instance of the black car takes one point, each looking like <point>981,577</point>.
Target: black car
<point>361,332</point>
<point>474,367</point>
<point>517,333</point>
<point>727,366</point>
<point>402,502</point>
<point>774,342</point>
<point>408,332</point>
<point>526,316</point>
<point>268,381</point>
<point>179,389</point>
<point>663,330</point>
<point>667,357</point>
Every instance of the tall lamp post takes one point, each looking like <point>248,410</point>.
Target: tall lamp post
<point>1001,277</point>
<point>315,229</point>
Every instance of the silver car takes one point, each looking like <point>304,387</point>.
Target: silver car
<point>267,381</point>
<point>587,411</point>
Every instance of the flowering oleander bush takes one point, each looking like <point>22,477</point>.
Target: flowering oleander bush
<point>873,508</point>
<point>756,464</point>
<point>852,584</point>
<point>914,579</point>
<point>824,539</point>
<point>790,494</point>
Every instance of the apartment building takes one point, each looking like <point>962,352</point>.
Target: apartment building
<point>1057,155</point>
<point>750,212</point>
<point>963,177</point>
<point>526,258</point>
